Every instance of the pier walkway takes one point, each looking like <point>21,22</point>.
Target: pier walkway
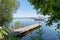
<point>22,31</point>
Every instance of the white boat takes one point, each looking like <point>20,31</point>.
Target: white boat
<point>39,18</point>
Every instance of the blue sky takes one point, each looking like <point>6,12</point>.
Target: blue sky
<point>25,10</point>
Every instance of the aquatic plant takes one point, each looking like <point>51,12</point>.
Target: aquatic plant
<point>17,24</point>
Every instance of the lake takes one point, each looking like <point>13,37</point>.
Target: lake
<point>43,33</point>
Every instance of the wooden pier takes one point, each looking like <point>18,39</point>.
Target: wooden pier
<point>25,30</point>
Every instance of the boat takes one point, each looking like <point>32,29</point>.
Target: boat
<point>39,18</point>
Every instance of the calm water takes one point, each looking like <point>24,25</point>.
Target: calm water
<point>45,32</point>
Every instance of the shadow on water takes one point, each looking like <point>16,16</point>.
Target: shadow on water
<point>29,31</point>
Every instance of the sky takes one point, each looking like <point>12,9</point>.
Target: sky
<point>25,10</point>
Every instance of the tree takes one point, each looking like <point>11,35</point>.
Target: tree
<point>48,7</point>
<point>7,8</point>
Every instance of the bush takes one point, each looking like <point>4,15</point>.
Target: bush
<point>17,24</point>
<point>3,33</point>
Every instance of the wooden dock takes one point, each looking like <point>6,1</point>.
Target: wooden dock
<point>24,30</point>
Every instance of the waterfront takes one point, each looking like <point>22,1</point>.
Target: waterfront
<point>29,12</point>
<point>48,33</point>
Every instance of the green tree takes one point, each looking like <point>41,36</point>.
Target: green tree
<point>48,7</point>
<point>7,8</point>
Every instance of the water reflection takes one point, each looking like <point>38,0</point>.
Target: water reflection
<point>38,36</point>
<point>44,33</point>
<point>58,34</point>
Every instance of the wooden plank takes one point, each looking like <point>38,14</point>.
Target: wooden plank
<point>23,29</point>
